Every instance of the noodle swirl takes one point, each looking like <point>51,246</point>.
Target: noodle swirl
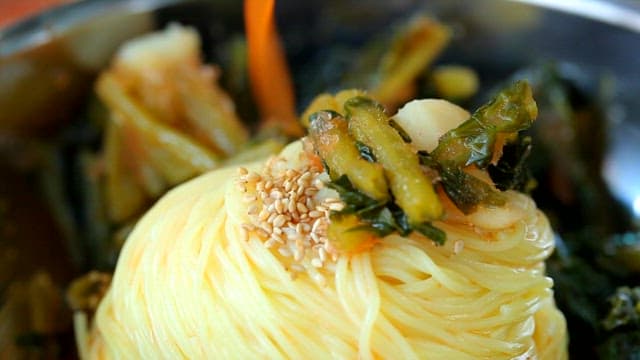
<point>191,284</point>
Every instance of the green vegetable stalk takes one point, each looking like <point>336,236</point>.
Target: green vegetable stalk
<point>478,141</point>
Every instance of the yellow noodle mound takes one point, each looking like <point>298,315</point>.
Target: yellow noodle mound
<point>191,283</point>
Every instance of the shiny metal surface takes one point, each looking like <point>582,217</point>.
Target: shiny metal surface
<point>625,14</point>
<point>51,58</point>
<point>47,62</point>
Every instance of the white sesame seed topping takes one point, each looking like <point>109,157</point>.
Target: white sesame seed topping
<point>279,220</point>
<point>320,279</point>
<point>316,262</point>
<point>249,198</point>
<point>275,194</point>
<point>302,208</point>
<point>272,215</point>
<point>284,251</point>
<point>266,227</point>
<point>279,205</point>
<point>252,177</point>
<point>458,245</point>
<point>322,254</point>
<point>336,206</point>
<point>270,243</point>
<point>262,232</point>
<point>289,219</point>
<point>248,227</point>
<point>264,214</point>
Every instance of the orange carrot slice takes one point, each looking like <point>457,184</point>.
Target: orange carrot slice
<point>270,79</point>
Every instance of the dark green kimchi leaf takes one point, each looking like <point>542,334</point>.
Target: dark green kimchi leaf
<point>473,142</point>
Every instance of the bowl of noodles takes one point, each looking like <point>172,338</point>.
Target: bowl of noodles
<point>219,179</point>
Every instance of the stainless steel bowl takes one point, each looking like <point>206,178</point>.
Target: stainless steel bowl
<point>48,63</point>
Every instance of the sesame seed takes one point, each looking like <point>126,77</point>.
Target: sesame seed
<point>278,238</point>
<point>263,215</point>
<point>292,206</point>
<point>279,220</point>
<point>316,224</point>
<point>302,208</point>
<point>291,233</point>
<point>266,227</point>
<point>330,267</point>
<point>322,254</point>
<point>335,206</point>
<point>458,245</point>
<point>320,279</point>
<point>297,268</point>
<point>272,217</point>
<point>289,219</point>
<point>270,243</point>
<point>252,177</point>
<point>316,262</point>
<point>249,198</point>
<point>253,209</point>
<point>242,171</point>
<point>248,227</point>
<point>262,232</point>
<point>279,205</point>
<point>290,173</point>
<point>284,251</point>
<point>306,176</point>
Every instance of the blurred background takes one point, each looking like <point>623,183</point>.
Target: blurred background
<point>583,58</point>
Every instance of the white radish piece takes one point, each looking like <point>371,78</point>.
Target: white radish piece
<point>426,120</point>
